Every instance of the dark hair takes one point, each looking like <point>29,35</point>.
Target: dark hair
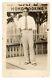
<point>26,9</point>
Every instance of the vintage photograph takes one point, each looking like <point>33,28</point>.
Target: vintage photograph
<point>26,36</point>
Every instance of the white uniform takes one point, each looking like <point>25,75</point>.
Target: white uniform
<point>43,29</point>
<point>27,37</point>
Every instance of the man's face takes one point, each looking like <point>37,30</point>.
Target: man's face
<point>12,15</point>
<point>25,12</point>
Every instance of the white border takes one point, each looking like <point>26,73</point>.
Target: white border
<point>50,1</point>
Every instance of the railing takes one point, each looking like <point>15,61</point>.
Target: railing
<point>16,48</point>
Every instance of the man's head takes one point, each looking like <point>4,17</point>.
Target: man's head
<point>25,11</point>
<point>12,15</point>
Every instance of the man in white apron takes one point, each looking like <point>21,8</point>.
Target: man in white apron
<point>27,25</point>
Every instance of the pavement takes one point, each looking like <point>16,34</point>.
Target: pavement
<point>19,63</point>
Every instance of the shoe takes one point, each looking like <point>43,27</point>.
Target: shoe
<point>26,63</point>
<point>34,64</point>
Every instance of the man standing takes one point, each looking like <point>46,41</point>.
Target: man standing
<point>27,25</point>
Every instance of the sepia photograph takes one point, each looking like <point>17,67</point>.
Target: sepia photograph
<point>26,36</point>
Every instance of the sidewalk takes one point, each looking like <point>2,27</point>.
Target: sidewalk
<point>18,63</point>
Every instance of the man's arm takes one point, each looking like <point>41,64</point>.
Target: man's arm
<point>33,26</point>
<point>19,27</point>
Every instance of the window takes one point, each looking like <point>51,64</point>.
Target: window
<point>8,48</point>
<point>11,48</point>
<point>17,49</point>
<point>11,40</point>
<point>14,48</point>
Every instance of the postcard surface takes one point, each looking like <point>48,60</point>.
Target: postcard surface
<point>25,39</point>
